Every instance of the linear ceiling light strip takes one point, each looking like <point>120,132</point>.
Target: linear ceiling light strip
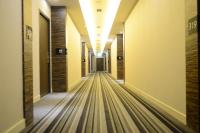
<point>89,20</point>
<point>108,22</point>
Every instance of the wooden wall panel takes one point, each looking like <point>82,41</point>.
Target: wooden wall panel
<point>92,62</point>
<point>89,61</point>
<point>27,61</point>
<point>83,65</point>
<point>109,60</point>
<point>120,53</point>
<point>58,37</point>
<point>192,65</point>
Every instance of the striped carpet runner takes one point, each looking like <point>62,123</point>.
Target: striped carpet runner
<point>100,105</point>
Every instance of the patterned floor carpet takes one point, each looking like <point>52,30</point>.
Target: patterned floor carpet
<point>100,105</point>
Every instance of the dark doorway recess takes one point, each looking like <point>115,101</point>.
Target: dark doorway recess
<point>100,64</point>
<point>44,55</point>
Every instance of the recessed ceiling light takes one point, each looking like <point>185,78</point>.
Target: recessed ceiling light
<point>98,27</point>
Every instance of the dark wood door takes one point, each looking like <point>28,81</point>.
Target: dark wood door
<point>100,64</point>
<point>44,56</point>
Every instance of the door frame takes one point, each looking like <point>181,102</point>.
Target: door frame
<point>28,106</point>
<point>49,50</point>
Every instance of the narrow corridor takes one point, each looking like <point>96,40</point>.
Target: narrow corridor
<point>99,66</point>
<point>100,105</point>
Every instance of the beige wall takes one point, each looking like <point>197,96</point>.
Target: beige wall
<point>155,53</point>
<point>37,7</point>
<point>114,58</point>
<point>11,84</point>
<point>74,53</point>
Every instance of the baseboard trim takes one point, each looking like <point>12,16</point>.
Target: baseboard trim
<point>74,84</point>
<point>167,108</point>
<point>36,98</point>
<point>16,128</point>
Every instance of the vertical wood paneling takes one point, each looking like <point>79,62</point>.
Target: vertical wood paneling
<point>109,60</point>
<point>27,62</point>
<point>120,53</point>
<point>58,36</point>
<point>89,61</point>
<point>92,62</point>
<point>83,65</point>
<point>192,68</point>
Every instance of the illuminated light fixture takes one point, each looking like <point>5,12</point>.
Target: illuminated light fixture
<point>111,12</point>
<point>89,20</point>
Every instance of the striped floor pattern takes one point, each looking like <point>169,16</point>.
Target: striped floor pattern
<point>100,105</point>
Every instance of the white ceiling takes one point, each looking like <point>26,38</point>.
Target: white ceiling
<point>74,10</point>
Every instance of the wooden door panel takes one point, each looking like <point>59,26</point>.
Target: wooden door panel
<point>44,56</point>
<point>100,64</point>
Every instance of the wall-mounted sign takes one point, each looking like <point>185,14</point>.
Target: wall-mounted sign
<point>119,57</point>
<point>28,33</point>
<point>61,51</point>
<point>192,25</point>
<point>83,60</point>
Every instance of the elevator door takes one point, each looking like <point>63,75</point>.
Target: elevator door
<point>44,56</point>
<point>100,64</point>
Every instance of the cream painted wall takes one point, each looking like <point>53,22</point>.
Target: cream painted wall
<point>155,53</point>
<point>37,7</point>
<point>86,60</point>
<point>11,84</point>
<point>74,53</point>
<point>114,58</point>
